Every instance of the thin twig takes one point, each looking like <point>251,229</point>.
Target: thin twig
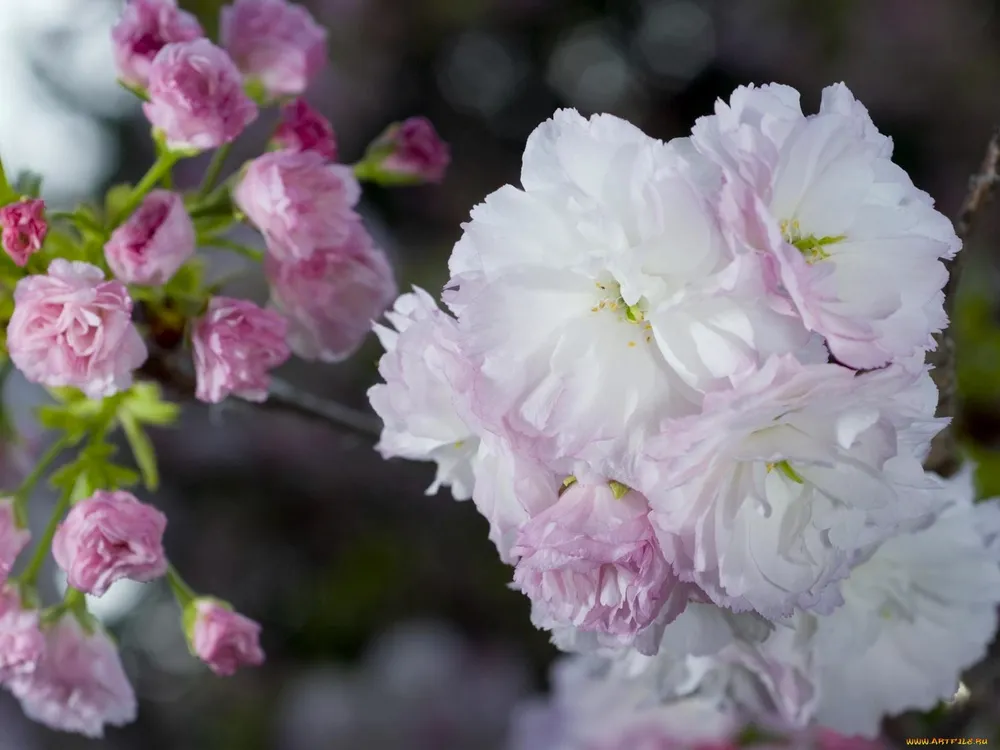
<point>945,456</point>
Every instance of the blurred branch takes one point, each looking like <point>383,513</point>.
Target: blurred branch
<point>284,397</point>
<point>945,456</point>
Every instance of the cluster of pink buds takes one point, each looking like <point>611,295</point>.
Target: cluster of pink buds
<point>104,299</point>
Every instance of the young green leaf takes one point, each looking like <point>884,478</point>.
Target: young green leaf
<point>142,449</point>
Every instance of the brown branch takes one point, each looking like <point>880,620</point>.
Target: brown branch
<point>945,456</point>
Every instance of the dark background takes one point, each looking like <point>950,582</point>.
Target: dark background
<point>388,623</point>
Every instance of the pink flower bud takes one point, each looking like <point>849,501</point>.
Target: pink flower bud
<point>21,641</point>
<point>411,151</point>
<point>223,639</point>
<point>13,539</point>
<point>70,327</point>
<point>79,684</point>
<point>274,42</point>
<point>302,128</point>
<point>298,202</point>
<point>24,228</point>
<point>146,27</point>
<point>236,344</point>
<point>107,537</point>
<point>196,96</point>
<point>331,298</point>
<point>154,242</point>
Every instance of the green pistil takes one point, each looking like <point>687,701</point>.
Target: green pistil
<point>812,247</point>
<point>786,468</point>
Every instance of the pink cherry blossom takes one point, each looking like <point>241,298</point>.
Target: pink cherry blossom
<point>236,344</point>
<point>21,641</point>
<point>223,639</point>
<point>196,96</point>
<point>591,561</point>
<point>107,537</point>
<point>13,538</point>
<point>24,228</point>
<point>79,685</point>
<point>154,242</point>
<point>146,27</point>
<point>302,128</point>
<point>413,151</point>
<point>70,327</point>
<point>331,298</point>
<point>298,202</point>
<point>274,42</point>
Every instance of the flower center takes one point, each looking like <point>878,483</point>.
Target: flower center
<point>811,246</point>
<point>611,300</point>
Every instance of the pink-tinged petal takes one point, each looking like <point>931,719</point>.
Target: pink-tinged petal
<point>154,242</point>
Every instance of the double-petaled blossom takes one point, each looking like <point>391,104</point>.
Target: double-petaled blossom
<point>302,128</point>
<point>71,327</point>
<point>409,152</point>
<point>107,537</point>
<point>154,242</point>
<point>275,43</point>
<point>331,298</point>
<point>79,684</point>
<point>22,643</point>
<point>196,97</point>
<point>225,640</point>
<point>299,202</point>
<point>591,561</point>
<point>236,345</point>
<point>13,538</point>
<point>146,27</point>
<point>854,245</point>
<point>24,228</point>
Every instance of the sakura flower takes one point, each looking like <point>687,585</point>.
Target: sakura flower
<point>302,128</point>
<point>222,638</point>
<point>409,152</point>
<point>13,538</point>
<point>331,298</point>
<point>763,498</point>
<point>146,27</point>
<point>854,245</point>
<point>24,228</point>
<point>423,401</point>
<point>154,242</point>
<point>70,327</point>
<point>603,296</point>
<point>21,641</point>
<point>79,685</point>
<point>196,97</point>
<point>298,202</point>
<point>275,43</point>
<point>591,561</point>
<point>107,537</point>
<point>236,345</point>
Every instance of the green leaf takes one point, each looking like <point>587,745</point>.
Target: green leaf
<point>188,280</point>
<point>212,225</point>
<point>145,403</point>
<point>142,449</point>
<point>117,198</point>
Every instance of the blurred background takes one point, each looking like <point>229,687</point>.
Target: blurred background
<point>388,621</point>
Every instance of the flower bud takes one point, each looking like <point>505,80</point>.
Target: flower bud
<point>107,537</point>
<point>302,128</point>
<point>146,27</point>
<point>24,228</point>
<point>225,640</point>
<point>407,153</point>
<point>154,242</point>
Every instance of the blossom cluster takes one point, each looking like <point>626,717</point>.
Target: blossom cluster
<point>685,384</point>
<point>101,300</point>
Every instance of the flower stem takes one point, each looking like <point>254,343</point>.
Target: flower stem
<point>161,167</point>
<point>23,493</point>
<point>214,169</point>
<point>34,567</point>
<point>249,252</point>
<point>182,592</point>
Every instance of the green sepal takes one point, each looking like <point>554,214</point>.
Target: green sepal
<point>618,489</point>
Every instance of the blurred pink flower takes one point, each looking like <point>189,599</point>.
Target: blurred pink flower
<point>107,537</point>
<point>21,641</point>
<point>154,242</point>
<point>302,128</point>
<point>70,327</point>
<point>236,344</point>
<point>298,201</point>
<point>331,298</point>
<point>411,151</point>
<point>274,42</point>
<point>196,96</point>
<point>591,561</point>
<point>146,27</point>
<point>79,684</point>
<point>223,639</point>
<point>24,228</point>
<point>13,539</point>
